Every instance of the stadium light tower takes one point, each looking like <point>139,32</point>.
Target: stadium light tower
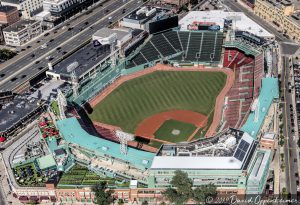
<point>255,108</point>
<point>124,138</point>
<point>75,84</point>
<point>62,103</point>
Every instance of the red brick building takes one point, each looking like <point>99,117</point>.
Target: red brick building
<point>8,15</point>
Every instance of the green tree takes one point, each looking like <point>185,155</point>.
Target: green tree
<point>145,203</point>
<point>162,203</point>
<point>120,202</point>
<point>6,54</point>
<point>281,142</point>
<point>183,191</point>
<point>201,193</point>
<point>103,195</point>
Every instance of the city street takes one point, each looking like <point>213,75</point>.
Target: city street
<point>290,144</point>
<point>288,47</point>
<point>71,37</point>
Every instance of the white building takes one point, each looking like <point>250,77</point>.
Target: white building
<point>239,21</point>
<point>22,31</point>
<point>140,18</point>
<point>28,8</point>
<point>60,7</point>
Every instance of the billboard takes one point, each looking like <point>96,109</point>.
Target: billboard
<point>200,26</point>
<point>250,37</point>
<point>163,24</point>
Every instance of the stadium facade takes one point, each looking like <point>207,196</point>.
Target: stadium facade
<point>232,159</point>
<point>233,169</point>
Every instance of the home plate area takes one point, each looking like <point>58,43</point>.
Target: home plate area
<point>174,131</point>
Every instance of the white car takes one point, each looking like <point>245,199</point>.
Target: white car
<point>44,46</point>
<point>109,18</point>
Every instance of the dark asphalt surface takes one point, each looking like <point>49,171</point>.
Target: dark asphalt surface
<point>290,148</point>
<point>16,73</point>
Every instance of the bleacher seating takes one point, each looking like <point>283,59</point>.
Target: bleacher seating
<point>173,38</point>
<point>164,47</point>
<point>240,96</point>
<point>193,51</point>
<point>202,46</point>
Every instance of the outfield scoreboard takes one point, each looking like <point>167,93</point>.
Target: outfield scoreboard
<point>163,24</point>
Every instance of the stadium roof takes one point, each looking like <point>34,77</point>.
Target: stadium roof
<point>46,162</point>
<point>205,162</point>
<point>72,132</point>
<point>241,22</point>
<point>269,91</point>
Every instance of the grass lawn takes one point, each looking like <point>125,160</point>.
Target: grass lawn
<point>79,175</point>
<point>54,106</point>
<point>167,131</point>
<point>157,92</point>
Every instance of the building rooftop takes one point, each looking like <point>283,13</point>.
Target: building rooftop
<point>269,136</point>
<point>145,14</point>
<point>269,92</point>
<point>86,58</point>
<point>260,164</point>
<point>7,8</point>
<point>14,111</point>
<point>19,25</point>
<point>235,159</point>
<point>280,3</point>
<point>46,162</point>
<point>295,17</point>
<point>73,133</point>
<point>106,32</point>
<point>240,21</point>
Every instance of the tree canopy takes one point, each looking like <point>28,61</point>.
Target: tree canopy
<point>6,54</point>
<point>103,195</point>
<point>182,190</point>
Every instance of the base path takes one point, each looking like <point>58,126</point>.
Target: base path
<point>148,127</point>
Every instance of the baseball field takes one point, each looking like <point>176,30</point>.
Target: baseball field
<point>142,97</point>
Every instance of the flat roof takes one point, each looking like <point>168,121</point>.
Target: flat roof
<point>12,112</point>
<point>7,8</point>
<point>106,32</point>
<point>73,133</point>
<point>240,21</point>
<point>269,136</point>
<point>165,162</point>
<point>261,160</point>
<point>204,162</point>
<point>46,161</point>
<point>140,13</point>
<point>295,17</point>
<point>86,57</point>
<point>19,25</point>
<point>269,91</point>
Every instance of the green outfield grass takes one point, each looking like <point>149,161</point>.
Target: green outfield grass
<point>160,91</point>
<point>167,131</point>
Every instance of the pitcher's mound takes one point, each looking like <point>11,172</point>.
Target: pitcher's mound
<point>175,132</point>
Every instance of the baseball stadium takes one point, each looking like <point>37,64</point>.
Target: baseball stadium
<point>194,100</point>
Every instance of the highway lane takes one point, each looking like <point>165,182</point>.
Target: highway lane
<point>79,36</point>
